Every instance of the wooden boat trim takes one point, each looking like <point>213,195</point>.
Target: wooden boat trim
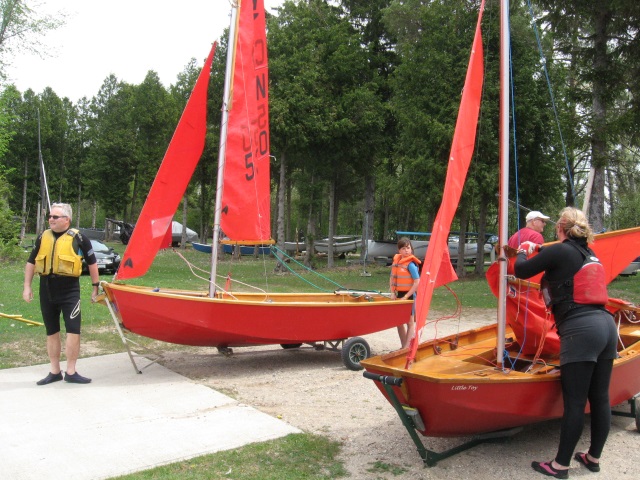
<point>319,300</point>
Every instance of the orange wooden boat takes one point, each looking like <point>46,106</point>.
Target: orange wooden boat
<point>489,381</point>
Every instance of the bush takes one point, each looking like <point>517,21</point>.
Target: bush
<point>10,251</point>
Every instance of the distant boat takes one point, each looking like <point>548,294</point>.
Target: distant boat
<point>201,247</point>
<point>386,249</point>
<point>176,233</point>
<point>228,248</point>
<point>341,244</point>
<point>295,247</point>
<point>247,249</point>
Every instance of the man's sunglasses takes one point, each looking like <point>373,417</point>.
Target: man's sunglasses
<point>56,217</point>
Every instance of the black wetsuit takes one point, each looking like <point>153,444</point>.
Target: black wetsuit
<point>588,338</point>
<point>61,294</point>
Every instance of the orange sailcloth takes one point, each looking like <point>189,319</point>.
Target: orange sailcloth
<point>171,181</point>
<point>437,269</point>
<point>246,197</point>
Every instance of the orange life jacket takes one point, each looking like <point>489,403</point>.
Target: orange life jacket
<point>401,280</point>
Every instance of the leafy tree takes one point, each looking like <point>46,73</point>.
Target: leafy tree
<point>600,41</point>
<point>154,115</point>
<point>327,108</point>
<point>8,97</point>
<point>111,153</point>
<point>21,29</point>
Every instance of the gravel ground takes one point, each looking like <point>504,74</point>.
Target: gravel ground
<point>313,391</point>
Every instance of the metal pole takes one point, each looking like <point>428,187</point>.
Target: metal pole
<point>505,50</point>
<point>44,173</point>
<point>231,45</point>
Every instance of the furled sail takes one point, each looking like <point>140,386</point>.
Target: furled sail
<point>246,193</point>
<point>171,181</point>
<point>437,269</point>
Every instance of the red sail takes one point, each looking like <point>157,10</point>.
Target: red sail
<point>171,181</point>
<point>437,268</point>
<point>246,212</point>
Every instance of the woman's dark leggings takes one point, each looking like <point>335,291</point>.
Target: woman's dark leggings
<point>582,381</point>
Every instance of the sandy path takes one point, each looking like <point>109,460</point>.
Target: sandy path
<point>313,391</point>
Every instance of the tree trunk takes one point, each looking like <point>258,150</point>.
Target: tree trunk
<point>287,218</point>
<point>462,240</point>
<point>23,223</point>
<point>134,196</point>
<point>369,206</point>
<point>599,135</point>
<point>311,227</point>
<point>79,205</point>
<point>482,230</point>
<point>94,213</point>
<point>332,221</point>
<point>280,236</point>
<point>185,205</point>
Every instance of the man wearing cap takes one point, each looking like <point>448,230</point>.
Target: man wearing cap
<point>532,232</point>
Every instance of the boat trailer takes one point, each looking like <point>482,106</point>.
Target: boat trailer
<point>412,421</point>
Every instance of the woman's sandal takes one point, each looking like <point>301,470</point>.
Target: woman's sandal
<point>546,468</point>
<point>584,460</point>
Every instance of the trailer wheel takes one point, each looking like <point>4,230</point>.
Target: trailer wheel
<point>637,411</point>
<point>226,351</point>
<point>353,351</point>
<point>288,346</point>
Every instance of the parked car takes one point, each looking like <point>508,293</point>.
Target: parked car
<point>632,268</point>
<point>108,259</point>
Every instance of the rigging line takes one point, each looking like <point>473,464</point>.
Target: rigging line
<point>284,254</point>
<point>543,61</point>
<point>193,267</point>
<point>513,121</point>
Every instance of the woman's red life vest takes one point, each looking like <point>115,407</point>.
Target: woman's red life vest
<point>401,280</point>
<point>587,287</point>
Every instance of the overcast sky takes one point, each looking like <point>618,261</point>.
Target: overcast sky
<point>124,37</point>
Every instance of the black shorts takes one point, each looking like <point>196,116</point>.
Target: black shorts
<point>60,295</point>
<point>588,337</point>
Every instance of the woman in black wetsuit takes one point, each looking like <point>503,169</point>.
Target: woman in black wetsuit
<point>588,338</point>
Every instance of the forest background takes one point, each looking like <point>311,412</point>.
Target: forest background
<point>363,101</point>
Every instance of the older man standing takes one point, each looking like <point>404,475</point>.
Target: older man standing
<point>57,258</point>
<point>532,232</point>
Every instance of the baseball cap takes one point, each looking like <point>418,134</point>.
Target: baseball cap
<point>536,214</point>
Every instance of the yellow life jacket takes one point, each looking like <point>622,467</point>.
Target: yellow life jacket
<point>401,280</point>
<point>57,256</point>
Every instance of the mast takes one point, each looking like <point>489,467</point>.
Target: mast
<point>505,49</point>
<point>231,47</point>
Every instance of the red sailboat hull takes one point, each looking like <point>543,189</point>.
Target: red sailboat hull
<point>191,318</point>
<point>458,392</point>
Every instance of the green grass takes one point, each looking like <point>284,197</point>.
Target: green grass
<point>294,457</point>
<point>298,456</point>
<point>22,343</point>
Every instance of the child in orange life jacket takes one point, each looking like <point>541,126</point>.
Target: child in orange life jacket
<point>403,284</point>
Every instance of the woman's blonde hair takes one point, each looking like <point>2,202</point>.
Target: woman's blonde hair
<point>573,223</point>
